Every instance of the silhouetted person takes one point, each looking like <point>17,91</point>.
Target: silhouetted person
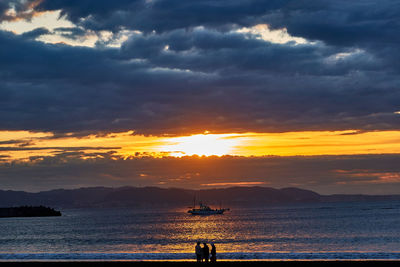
<point>213,257</point>
<point>198,251</point>
<point>206,252</point>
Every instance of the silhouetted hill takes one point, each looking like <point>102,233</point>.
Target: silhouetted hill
<point>256,195</point>
<point>351,198</point>
<point>154,196</point>
<point>148,196</point>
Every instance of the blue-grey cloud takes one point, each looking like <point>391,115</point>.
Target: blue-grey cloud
<point>11,10</point>
<point>189,70</point>
<point>35,33</point>
<point>162,15</point>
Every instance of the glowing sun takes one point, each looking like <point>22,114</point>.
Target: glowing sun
<point>200,144</point>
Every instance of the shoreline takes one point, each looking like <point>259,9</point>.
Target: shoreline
<point>119,261</point>
<point>194,263</point>
<point>189,257</point>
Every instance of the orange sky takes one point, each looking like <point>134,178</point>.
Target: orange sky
<point>23,144</point>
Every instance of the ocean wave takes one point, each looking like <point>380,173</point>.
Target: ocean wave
<point>190,256</point>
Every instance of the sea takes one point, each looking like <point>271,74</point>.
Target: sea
<point>319,231</point>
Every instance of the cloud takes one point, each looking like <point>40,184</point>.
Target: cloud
<point>344,23</point>
<point>371,174</point>
<point>187,68</point>
<point>35,33</point>
<point>23,148</point>
<point>14,142</point>
<point>348,23</point>
<point>11,10</point>
<point>161,15</point>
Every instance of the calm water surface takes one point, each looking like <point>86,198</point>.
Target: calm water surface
<point>312,231</point>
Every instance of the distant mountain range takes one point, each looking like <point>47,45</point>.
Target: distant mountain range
<point>154,196</point>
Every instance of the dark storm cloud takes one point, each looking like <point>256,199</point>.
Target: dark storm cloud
<point>338,22</point>
<point>360,23</point>
<point>366,24</point>
<point>161,15</point>
<point>189,70</point>
<point>4,6</point>
<point>35,33</point>
<point>213,51</point>
<point>371,174</point>
<point>20,9</point>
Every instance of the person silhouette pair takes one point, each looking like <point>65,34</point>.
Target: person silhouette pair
<point>203,253</point>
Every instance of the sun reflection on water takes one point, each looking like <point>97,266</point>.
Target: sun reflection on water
<point>316,228</point>
<point>182,233</point>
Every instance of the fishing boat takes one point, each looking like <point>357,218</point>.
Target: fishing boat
<point>205,210</point>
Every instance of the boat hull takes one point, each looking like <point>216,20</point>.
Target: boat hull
<point>206,212</point>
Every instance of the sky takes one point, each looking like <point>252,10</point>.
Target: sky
<point>200,94</point>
